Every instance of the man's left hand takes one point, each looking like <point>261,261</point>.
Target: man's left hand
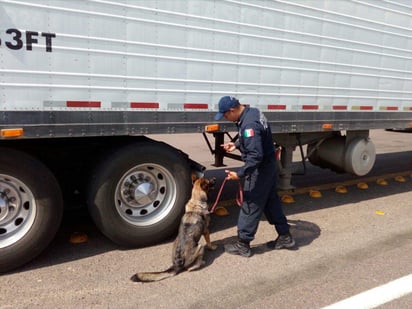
<point>231,175</point>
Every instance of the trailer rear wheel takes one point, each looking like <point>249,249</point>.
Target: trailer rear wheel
<point>138,193</point>
<point>31,208</point>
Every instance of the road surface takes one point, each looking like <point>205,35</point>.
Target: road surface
<point>347,244</point>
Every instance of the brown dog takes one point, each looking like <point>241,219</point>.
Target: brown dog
<point>187,252</point>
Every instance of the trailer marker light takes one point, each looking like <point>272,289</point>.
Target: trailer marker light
<point>212,128</point>
<point>327,126</point>
<point>17,132</point>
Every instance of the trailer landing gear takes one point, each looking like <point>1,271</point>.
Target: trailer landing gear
<point>352,153</point>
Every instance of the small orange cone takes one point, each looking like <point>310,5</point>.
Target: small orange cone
<point>78,238</point>
<point>382,182</point>
<point>400,179</point>
<point>287,199</point>
<point>221,211</point>
<point>315,194</point>
<point>362,185</point>
<point>341,189</point>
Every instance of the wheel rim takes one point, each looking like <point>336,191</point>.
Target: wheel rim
<point>145,194</point>
<point>17,210</point>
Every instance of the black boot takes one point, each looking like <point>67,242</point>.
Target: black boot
<point>285,241</point>
<point>241,247</point>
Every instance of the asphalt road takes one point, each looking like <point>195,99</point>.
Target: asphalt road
<point>347,244</point>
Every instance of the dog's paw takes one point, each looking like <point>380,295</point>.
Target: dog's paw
<point>197,266</point>
<point>212,247</point>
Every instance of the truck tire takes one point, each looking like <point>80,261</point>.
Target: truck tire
<point>137,194</point>
<point>31,208</point>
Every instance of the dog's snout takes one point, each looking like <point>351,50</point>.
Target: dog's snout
<point>211,183</point>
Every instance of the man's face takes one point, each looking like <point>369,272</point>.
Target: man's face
<point>231,115</point>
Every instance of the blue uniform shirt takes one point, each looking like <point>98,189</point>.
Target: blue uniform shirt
<point>255,140</point>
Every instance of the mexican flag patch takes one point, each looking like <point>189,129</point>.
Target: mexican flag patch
<point>249,133</point>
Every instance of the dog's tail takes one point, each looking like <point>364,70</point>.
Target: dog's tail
<point>155,276</point>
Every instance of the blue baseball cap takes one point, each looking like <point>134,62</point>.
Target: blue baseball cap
<point>226,103</point>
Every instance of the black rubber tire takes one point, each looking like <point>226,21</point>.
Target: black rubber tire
<point>32,208</point>
<point>143,224</point>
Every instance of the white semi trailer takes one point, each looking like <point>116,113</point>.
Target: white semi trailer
<point>83,85</point>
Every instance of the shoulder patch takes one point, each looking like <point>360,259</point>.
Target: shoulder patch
<point>249,133</point>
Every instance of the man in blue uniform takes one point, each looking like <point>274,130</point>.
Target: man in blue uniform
<point>259,172</point>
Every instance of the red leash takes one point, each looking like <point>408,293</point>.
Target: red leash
<point>239,195</point>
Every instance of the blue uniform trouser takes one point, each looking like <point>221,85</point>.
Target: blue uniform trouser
<point>260,196</point>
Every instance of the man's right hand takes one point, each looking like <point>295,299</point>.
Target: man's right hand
<point>229,147</point>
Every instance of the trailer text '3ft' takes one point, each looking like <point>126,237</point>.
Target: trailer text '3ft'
<point>15,39</point>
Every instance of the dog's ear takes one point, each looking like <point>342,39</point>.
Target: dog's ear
<point>204,184</point>
<point>194,177</point>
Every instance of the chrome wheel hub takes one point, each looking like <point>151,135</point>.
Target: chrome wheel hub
<point>17,210</point>
<point>145,194</point>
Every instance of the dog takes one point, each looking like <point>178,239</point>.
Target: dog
<point>187,251</point>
